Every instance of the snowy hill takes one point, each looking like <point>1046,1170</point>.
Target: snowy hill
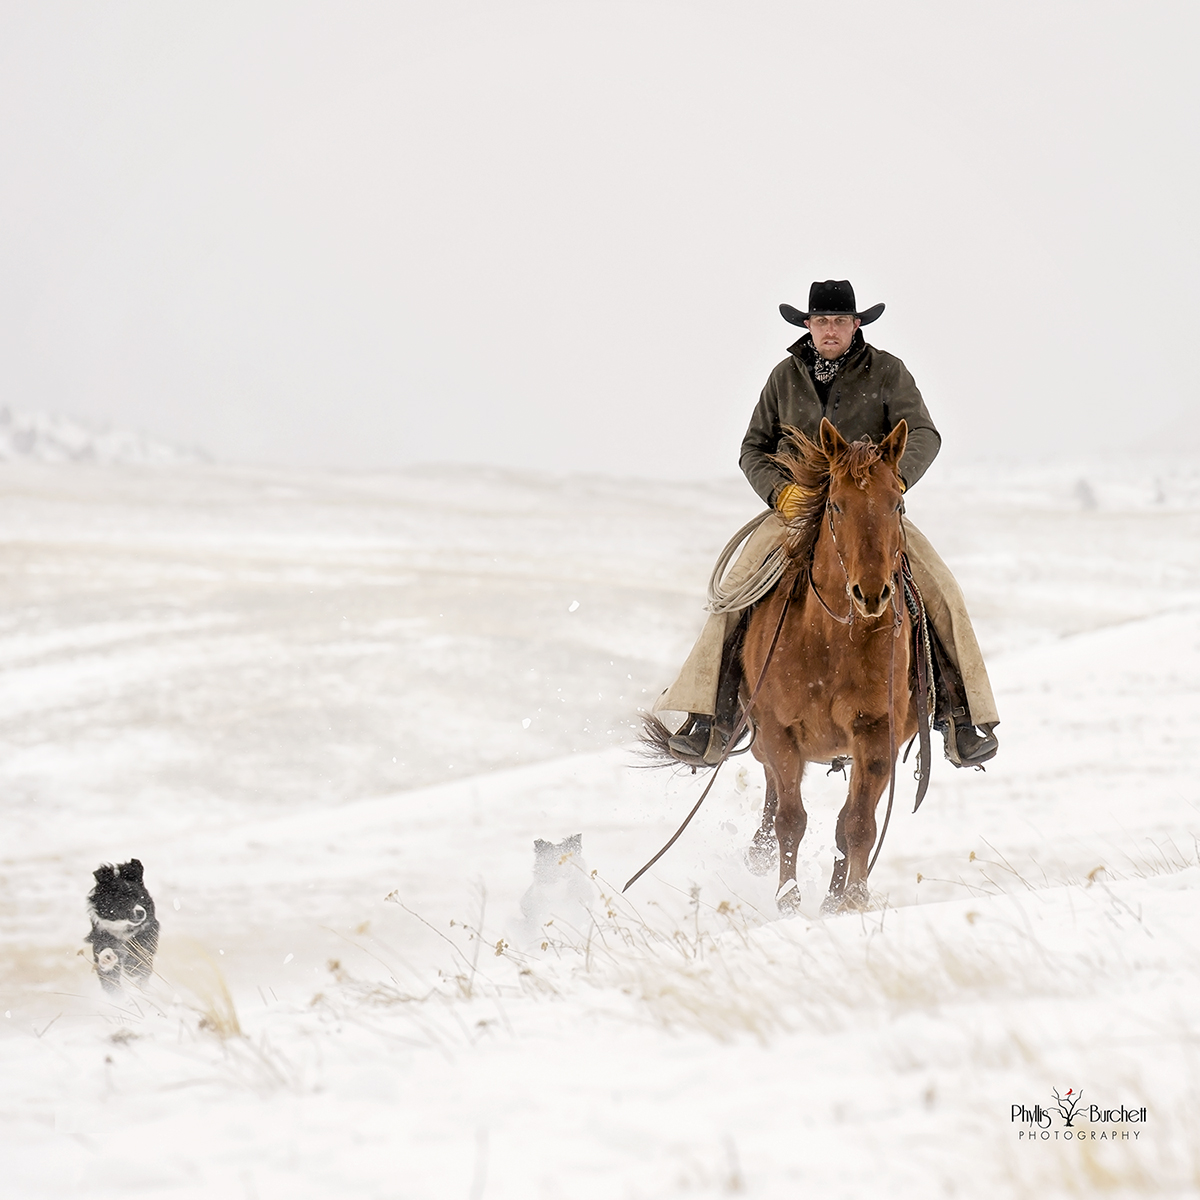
<point>331,713</point>
<point>50,438</point>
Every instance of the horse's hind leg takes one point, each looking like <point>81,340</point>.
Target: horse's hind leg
<point>837,881</point>
<point>762,853</point>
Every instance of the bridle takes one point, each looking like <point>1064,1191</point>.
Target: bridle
<point>848,619</point>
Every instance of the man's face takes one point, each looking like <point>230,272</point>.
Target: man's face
<point>832,333</point>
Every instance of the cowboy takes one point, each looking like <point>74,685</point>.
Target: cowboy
<point>833,372</point>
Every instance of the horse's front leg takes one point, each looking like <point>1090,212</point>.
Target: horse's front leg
<point>790,821</point>
<point>856,827</point>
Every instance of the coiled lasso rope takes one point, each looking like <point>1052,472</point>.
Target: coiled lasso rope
<point>756,585</point>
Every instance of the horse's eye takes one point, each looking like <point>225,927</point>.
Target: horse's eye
<point>836,507</point>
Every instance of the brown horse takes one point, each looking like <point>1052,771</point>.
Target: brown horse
<point>844,644</point>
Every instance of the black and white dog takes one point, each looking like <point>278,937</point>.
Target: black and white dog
<point>124,933</point>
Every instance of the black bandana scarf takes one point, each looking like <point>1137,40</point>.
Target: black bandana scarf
<point>825,369</point>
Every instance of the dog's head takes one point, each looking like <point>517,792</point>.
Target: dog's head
<point>119,897</point>
<point>552,860</point>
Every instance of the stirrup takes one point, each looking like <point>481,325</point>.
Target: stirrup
<point>964,746</point>
<point>699,743</point>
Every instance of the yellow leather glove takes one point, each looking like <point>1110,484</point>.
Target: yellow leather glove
<point>791,501</point>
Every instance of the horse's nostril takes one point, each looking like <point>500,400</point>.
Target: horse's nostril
<point>139,914</point>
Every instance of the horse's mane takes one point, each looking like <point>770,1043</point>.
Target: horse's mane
<point>808,465</point>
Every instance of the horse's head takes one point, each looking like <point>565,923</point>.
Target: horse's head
<point>865,502</point>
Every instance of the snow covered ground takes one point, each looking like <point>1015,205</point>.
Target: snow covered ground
<point>331,713</point>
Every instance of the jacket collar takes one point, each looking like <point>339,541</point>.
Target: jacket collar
<point>806,352</point>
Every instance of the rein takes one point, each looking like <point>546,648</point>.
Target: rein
<point>897,623</point>
<point>916,606</point>
<point>848,619</point>
<point>725,755</point>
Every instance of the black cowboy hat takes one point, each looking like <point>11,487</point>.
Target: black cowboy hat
<point>831,297</point>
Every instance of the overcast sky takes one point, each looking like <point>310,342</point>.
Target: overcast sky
<point>557,234</point>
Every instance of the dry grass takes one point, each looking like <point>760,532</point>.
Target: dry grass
<point>724,970</point>
<point>218,1013</point>
<point>187,974</point>
<point>1001,1003</point>
<point>189,984</point>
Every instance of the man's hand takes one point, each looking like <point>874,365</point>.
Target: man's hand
<point>791,501</point>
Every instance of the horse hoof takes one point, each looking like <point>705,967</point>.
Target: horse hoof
<point>856,898</point>
<point>787,899</point>
<point>762,855</point>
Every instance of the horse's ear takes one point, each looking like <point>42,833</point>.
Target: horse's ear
<point>892,449</point>
<point>832,442</point>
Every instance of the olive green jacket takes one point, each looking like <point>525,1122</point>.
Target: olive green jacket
<point>870,394</point>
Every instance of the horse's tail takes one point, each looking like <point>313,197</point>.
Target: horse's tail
<point>653,741</point>
<point>653,744</point>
